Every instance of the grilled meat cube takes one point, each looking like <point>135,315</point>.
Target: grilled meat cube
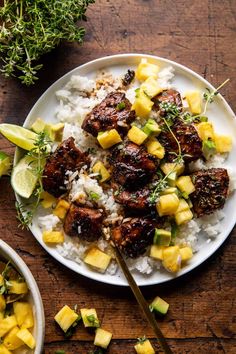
<point>132,165</point>
<point>188,138</point>
<point>133,237</point>
<point>114,112</point>
<point>67,157</point>
<point>86,223</point>
<point>128,78</point>
<point>133,200</point>
<point>170,96</point>
<point>211,189</point>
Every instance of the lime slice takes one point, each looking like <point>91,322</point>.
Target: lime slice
<point>19,136</point>
<point>24,178</point>
<point>5,163</point>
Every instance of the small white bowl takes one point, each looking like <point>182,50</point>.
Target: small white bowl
<point>8,254</point>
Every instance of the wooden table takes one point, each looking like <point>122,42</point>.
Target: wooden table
<point>202,317</point>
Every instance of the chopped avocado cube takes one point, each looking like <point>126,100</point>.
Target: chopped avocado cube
<point>66,317</point>
<point>162,237</point>
<point>159,306</point>
<point>136,135</point>
<point>185,184</point>
<point>102,338</point>
<point>171,179</point>
<point>151,127</point>
<point>167,204</point>
<point>223,143</point>
<point>151,87</point>
<point>108,138</point>
<point>89,317</point>
<point>157,252</point>
<point>103,172</point>
<point>38,126</point>
<point>145,70</point>
<point>171,259</point>
<point>144,347</point>
<point>186,253</point>
<point>98,259</point>
<point>194,100</point>
<point>208,148</point>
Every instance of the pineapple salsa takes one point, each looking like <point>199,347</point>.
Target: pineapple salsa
<point>16,314</point>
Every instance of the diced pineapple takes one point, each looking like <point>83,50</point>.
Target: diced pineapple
<point>155,148</point>
<point>205,130</point>
<point>157,252</point>
<point>186,253</point>
<point>167,204</point>
<point>17,288</point>
<point>185,184</point>
<point>53,237</point>
<point>61,209</point>
<point>170,167</point>
<point>24,314</point>
<point>103,172</point>
<point>136,135</point>
<point>26,337</point>
<point>194,100</point>
<point>151,87</point>
<point>223,143</point>
<point>102,338</point>
<point>171,179</point>
<point>1,280</point>
<point>109,138</point>
<point>2,303</point>
<point>146,70</point>
<point>66,317</point>
<point>144,347</point>
<point>38,126</point>
<point>169,190</point>
<point>54,131</point>
<point>1,315</point>
<point>4,350</point>
<point>48,200</point>
<point>183,206</point>
<point>11,341</point>
<point>98,259</point>
<point>89,317</point>
<point>7,324</point>
<point>142,104</point>
<point>172,259</point>
<point>183,217</point>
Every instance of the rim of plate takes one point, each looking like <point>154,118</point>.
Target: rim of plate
<point>8,252</point>
<point>71,264</point>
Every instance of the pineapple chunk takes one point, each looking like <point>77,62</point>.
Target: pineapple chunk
<point>11,341</point>
<point>185,184</point>
<point>151,87</point>
<point>142,104</point>
<point>53,236</point>
<point>103,172</point>
<point>136,135</point>
<point>108,138</point>
<point>169,191</point>
<point>157,252</point>
<point>102,338</point>
<point>7,324</point>
<point>26,337</point>
<point>155,148</point>
<point>1,280</point>
<point>66,317</point>
<point>24,314</point>
<point>144,347</point>
<point>194,100</point>
<point>2,303</point>
<point>54,131</point>
<point>97,259</point>
<point>89,317</point>
<point>146,70</point>
<point>61,209</point>
<point>1,315</point>
<point>183,217</point>
<point>4,350</point>
<point>167,204</point>
<point>186,253</point>
<point>38,126</point>
<point>183,206</point>
<point>172,259</point>
<point>48,200</point>
<point>170,167</point>
<point>17,288</point>
<point>205,130</point>
<point>223,143</point>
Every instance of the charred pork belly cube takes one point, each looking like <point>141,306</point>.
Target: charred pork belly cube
<point>168,96</point>
<point>133,237</point>
<point>86,223</point>
<point>188,138</point>
<point>133,201</point>
<point>132,165</point>
<point>67,157</point>
<point>114,112</point>
<point>211,189</point>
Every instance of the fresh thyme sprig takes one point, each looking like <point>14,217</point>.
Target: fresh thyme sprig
<point>30,29</point>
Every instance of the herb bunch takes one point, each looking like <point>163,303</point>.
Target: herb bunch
<point>30,29</point>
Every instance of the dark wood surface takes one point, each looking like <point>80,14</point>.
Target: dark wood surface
<point>202,317</point>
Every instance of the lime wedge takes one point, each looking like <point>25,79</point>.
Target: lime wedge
<point>24,178</point>
<point>5,163</point>
<point>19,136</point>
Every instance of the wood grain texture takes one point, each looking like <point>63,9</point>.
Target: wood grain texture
<point>202,317</point>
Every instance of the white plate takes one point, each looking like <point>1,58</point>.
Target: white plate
<point>219,112</point>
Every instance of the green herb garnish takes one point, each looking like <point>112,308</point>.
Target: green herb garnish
<point>93,320</point>
<point>141,340</point>
<point>120,106</point>
<point>94,196</point>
